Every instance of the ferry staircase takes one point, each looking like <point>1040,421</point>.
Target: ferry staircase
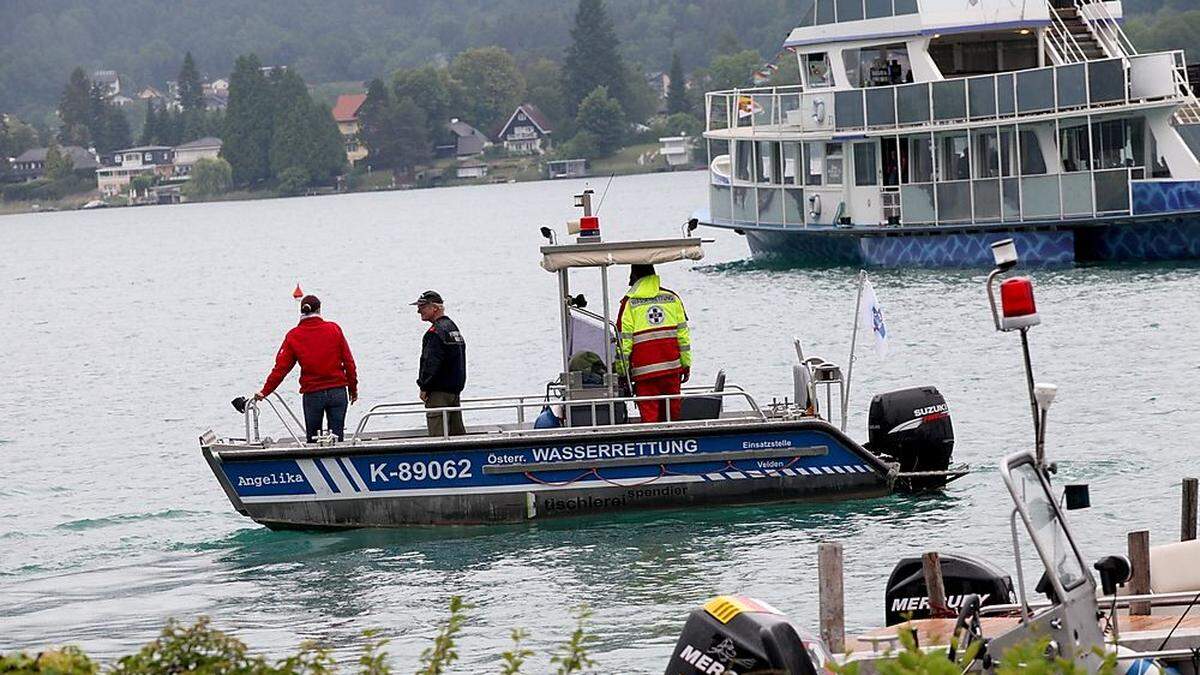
<point>1075,36</point>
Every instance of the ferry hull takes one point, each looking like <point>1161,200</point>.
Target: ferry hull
<point>1157,238</point>
<point>562,475</point>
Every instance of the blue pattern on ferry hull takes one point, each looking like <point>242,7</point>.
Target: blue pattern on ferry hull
<point>1166,238</point>
<point>911,250</point>
<point>967,249</point>
<point>1165,196</point>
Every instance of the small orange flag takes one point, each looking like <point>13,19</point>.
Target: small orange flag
<point>297,294</point>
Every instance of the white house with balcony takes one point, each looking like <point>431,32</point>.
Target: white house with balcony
<point>150,160</point>
<point>677,150</point>
<point>527,132</point>
<point>189,153</point>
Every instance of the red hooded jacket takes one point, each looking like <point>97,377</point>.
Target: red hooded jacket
<point>324,356</point>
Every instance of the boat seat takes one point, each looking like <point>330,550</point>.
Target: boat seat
<point>704,407</point>
<point>1173,567</point>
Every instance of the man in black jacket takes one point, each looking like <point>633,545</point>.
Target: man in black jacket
<point>443,366</point>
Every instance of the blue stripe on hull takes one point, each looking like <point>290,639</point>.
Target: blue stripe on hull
<point>971,249</point>
<point>1167,238</point>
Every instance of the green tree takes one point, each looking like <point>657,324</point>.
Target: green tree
<point>249,121</point>
<point>293,181</point>
<point>191,92</point>
<point>543,88</point>
<point>412,137</point>
<point>329,152</point>
<point>732,71</point>
<point>210,176</point>
<point>108,128</point>
<point>377,127</point>
<point>58,166</point>
<point>593,58</point>
<point>677,95</point>
<point>438,93</point>
<point>20,137</point>
<point>74,109</point>
<point>493,86</point>
<point>601,116</point>
<point>141,184</point>
<point>304,134</point>
<point>150,128</point>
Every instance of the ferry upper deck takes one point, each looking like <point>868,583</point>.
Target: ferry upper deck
<point>934,113</point>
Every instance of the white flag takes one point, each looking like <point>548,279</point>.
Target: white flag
<point>870,315</point>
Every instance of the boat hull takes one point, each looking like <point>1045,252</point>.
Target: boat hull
<point>554,475</point>
<point>1146,238</point>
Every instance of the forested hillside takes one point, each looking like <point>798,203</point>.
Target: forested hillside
<point>41,41</point>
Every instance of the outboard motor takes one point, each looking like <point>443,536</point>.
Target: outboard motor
<point>734,635</point>
<point>907,597</point>
<point>913,426</point>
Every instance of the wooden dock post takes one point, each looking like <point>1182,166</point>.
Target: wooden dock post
<point>832,601</point>
<point>931,564</point>
<point>1139,577</point>
<point>1187,530</point>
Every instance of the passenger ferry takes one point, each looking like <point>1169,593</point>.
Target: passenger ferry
<point>924,130</point>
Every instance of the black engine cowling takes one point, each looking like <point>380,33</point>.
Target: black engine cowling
<point>734,635</point>
<point>907,597</point>
<point>913,426</point>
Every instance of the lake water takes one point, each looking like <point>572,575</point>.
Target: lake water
<point>127,331</point>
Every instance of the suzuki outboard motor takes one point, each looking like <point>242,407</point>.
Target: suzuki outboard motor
<point>734,635</point>
<point>913,426</point>
<point>907,597</point>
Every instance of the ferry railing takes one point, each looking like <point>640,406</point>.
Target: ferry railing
<point>1100,21</point>
<point>519,404</point>
<point>936,104</point>
<point>1063,41</point>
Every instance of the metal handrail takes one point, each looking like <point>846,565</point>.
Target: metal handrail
<point>1062,34</point>
<point>1106,28</point>
<point>519,404</point>
<point>251,414</point>
<point>1172,599</point>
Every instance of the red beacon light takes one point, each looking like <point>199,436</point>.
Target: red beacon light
<point>1017,307</point>
<point>589,226</point>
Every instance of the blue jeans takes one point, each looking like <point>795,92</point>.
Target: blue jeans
<point>331,403</point>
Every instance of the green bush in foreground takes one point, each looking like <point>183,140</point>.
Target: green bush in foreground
<point>200,649</point>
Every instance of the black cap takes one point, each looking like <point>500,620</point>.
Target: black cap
<point>429,298</point>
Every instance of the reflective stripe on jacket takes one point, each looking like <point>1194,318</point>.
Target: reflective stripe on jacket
<point>653,330</point>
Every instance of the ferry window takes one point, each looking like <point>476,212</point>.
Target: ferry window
<point>768,165</point>
<point>833,164</point>
<point>878,8</point>
<point>825,12</point>
<point>817,68</point>
<point>1032,162</point>
<point>916,159</point>
<point>1007,146</point>
<point>987,153</point>
<point>956,157</point>
<point>849,10</point>
<point>878,66</point>
<point>791,163</point>
<point>745,159</point>
<point>1118,143</point>
<point>905,7</point>
<point>865,172</point>
<point>814,162</point>
<point>1073,147</point>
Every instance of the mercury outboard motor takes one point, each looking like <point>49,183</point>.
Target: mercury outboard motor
<point>912,426</point>
<point>907,597</point>
<point>734,635</point>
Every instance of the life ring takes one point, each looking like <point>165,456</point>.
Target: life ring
<point>818,114</point>
<point>814,206</point>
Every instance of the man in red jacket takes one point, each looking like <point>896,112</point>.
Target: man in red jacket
<point>326,369</point>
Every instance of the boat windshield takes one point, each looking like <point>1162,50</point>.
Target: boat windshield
<point>1046,527</point>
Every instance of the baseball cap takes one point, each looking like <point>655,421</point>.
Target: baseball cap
<point>428,298</point>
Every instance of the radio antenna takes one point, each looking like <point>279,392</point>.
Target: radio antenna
<point>605,193</point>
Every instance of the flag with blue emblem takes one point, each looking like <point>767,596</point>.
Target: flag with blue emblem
<point>870,316</point>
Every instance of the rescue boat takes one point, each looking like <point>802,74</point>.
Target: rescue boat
<point>579,447</point>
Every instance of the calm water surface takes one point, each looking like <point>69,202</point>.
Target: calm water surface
<point>126,332</point>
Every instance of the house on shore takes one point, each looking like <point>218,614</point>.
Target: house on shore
<point>31,164</point>
<point>527,132</point>
<point>471,168</point>
<point>109,80</point>
<point>462,140</point>
<point>153,160</point>
<point>345,113</point>
<point>189,153</point>
<point>677,150</point>
<point>567,168</point>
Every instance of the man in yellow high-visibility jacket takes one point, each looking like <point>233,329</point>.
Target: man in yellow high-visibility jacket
<point>655,345</point>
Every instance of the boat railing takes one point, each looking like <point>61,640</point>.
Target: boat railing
<point>1061,41</point>
<point>1020,94</point>
<point>1107,29</point>
<point>520,404</point>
